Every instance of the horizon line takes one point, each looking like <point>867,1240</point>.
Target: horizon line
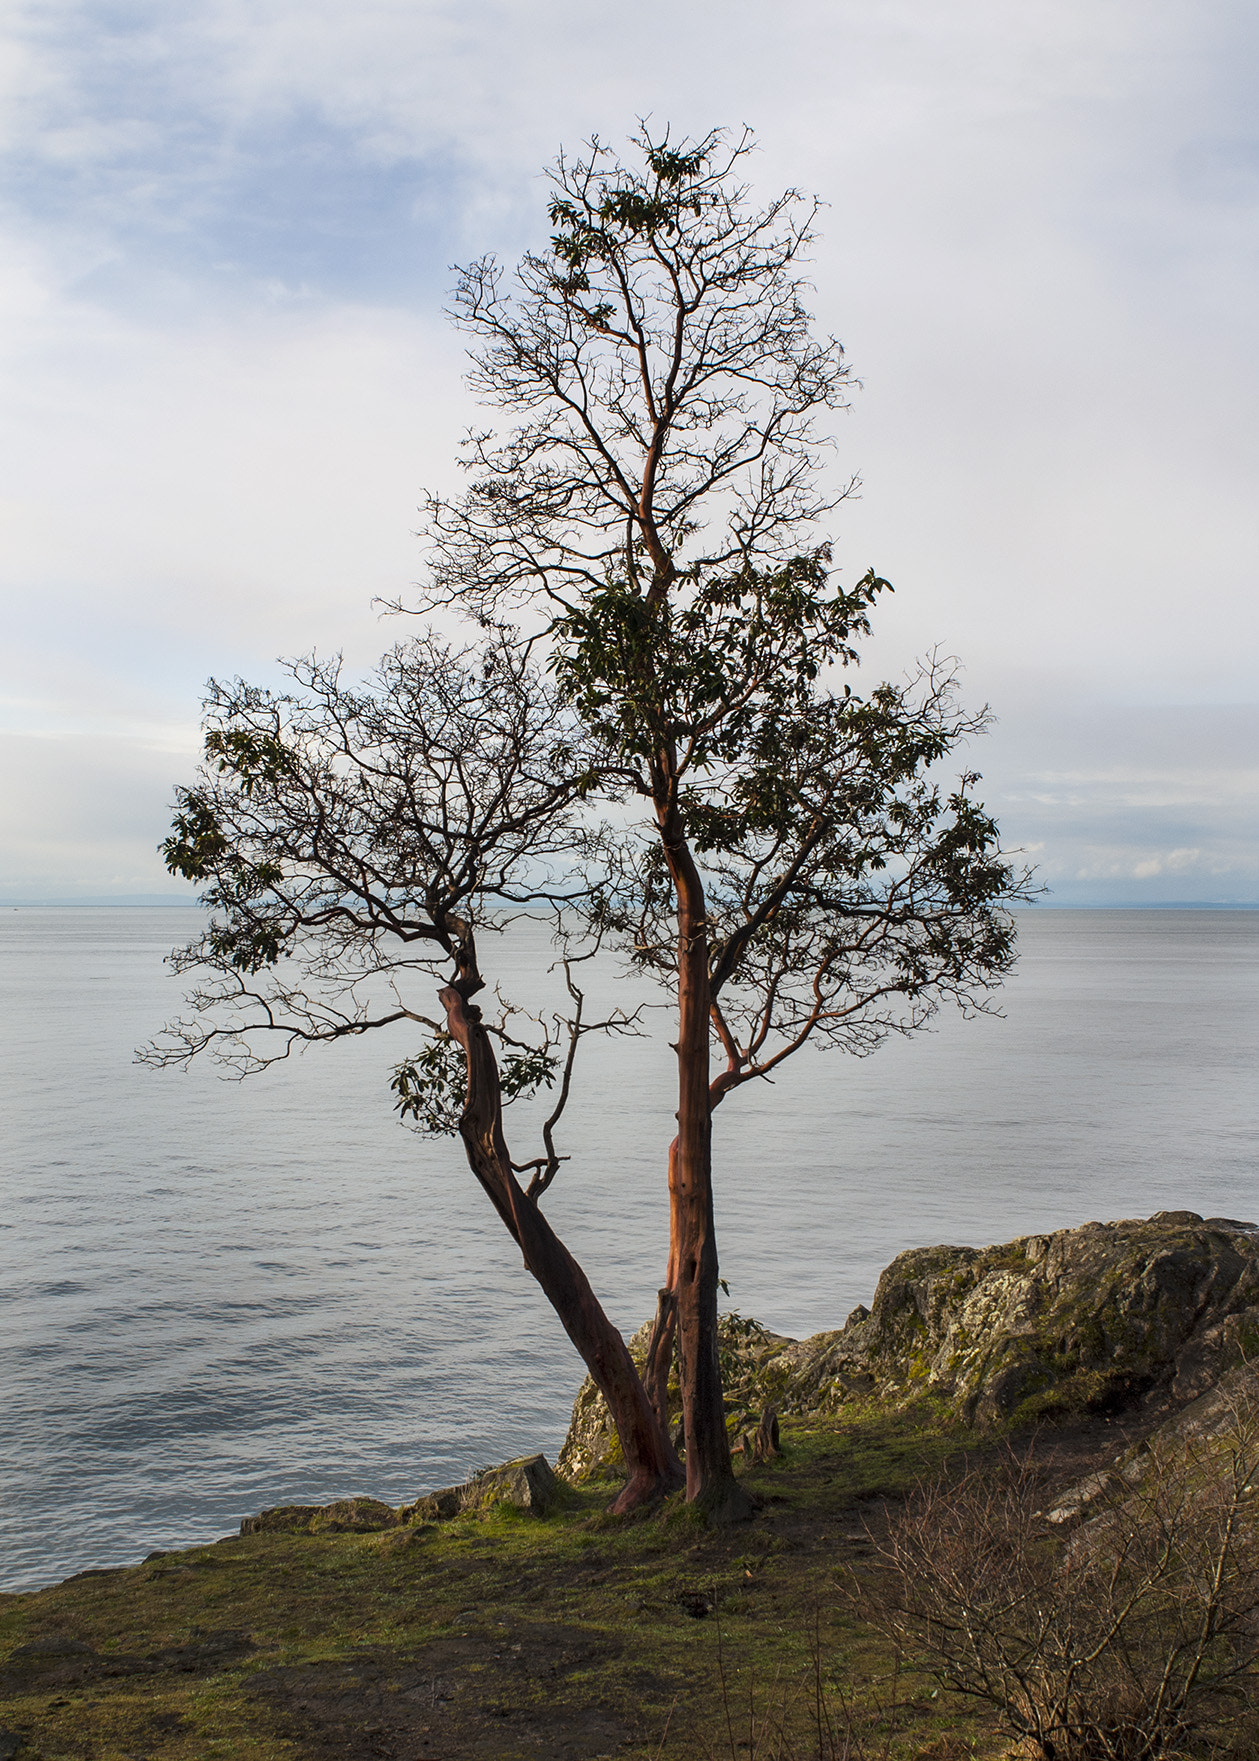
<point>144,901</point>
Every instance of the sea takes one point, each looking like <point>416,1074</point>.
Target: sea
<point>220,1295</point>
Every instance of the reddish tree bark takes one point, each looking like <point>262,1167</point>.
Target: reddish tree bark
<point>693,1266</point>
<point>665,1326</point>
<point>651,1462</point>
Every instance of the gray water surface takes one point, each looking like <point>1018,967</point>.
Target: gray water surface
<point>219,1296</point>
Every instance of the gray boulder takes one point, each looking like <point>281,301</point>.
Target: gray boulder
<point>528,1484</point>
<point>1084,1320</point>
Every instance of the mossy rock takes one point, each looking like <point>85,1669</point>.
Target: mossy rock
<point>1083,1320</point>
<point>527,1484</point>
<point>344,1516</point>
<point>1087,1320</point>
<point>754,1375</point>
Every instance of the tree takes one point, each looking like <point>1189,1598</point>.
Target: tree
<point>353,843</point>
<point>649,742</point>
<point>653,517</point>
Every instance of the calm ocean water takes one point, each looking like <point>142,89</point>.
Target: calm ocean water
<point>219,1296</point>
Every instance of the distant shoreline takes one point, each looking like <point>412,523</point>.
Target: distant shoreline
<point>149,901</point>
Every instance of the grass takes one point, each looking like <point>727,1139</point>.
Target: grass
<point>504,1636</point>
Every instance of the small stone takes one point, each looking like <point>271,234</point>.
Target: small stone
<point>434,1507</point>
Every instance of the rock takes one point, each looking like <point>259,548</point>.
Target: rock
<point>353,1516</point>
<point>1076,1499</point>
<point>591,1450</point>
<point>1232,1404</point>
<point>434,1507</point>
<point>753,1369</point>
<point>527,1484</point>
<point>283,1519</point>
<point>344,1516</point>
<point>1087,1320</point>
<point>1083,1320</point>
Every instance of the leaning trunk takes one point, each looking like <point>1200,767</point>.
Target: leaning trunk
<point>650,1460</point>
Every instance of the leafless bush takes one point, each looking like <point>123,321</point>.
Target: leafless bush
<point>1131,1636</point>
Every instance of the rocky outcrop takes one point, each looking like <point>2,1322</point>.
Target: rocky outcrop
<point>1212,1442</point>
<point>1084,1320</point>
<point>1094,1319</point>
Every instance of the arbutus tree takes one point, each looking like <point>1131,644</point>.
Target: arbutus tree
<point>353,843</point>
<point>653,518</point>
<point>647,741</point>
<point>845,893</point>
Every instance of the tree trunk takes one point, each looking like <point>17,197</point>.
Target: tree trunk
<point>650,1459</point>
<point>710,1481</point>
<point>664,1329</point>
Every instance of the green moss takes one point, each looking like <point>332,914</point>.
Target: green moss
<point>341,1627</point>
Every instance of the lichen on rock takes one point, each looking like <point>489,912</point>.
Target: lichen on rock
<point>1083,1320</point>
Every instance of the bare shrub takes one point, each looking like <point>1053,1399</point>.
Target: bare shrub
<point>1132,1636</point>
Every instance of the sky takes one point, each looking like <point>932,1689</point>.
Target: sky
<point>227,233</point>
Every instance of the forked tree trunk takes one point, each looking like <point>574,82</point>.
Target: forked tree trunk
<point>650,1459</point>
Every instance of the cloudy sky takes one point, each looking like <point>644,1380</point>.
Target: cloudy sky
<point>227,238</point>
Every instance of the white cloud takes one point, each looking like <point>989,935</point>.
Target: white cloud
<point>1174,862</point>
<point>226,378</point>
<point>1154,804</point>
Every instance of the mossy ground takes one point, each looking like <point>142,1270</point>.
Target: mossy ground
<point>578,1636</point>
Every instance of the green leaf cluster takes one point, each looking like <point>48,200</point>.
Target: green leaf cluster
<point>432,1086</point>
